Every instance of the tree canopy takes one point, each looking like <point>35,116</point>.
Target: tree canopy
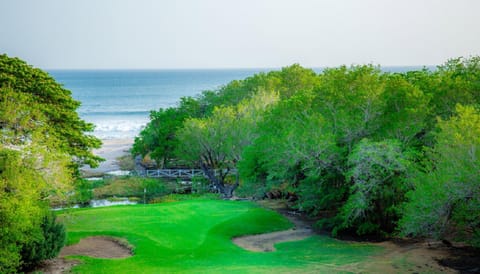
<point>366,151</point>
<point>42,143</point>
<point>58,109</point>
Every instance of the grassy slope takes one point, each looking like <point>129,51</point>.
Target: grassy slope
<point>194,236</point>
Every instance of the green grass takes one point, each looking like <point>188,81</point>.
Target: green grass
<point>195,237</point>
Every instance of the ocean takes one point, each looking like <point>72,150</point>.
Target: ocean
<point>118,102</point>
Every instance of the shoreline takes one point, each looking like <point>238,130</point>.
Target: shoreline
<point>110,150</point>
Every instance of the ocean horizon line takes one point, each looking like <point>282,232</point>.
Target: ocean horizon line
<point>262,69</point>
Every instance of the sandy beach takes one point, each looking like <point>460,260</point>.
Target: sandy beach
<point>110,151</point>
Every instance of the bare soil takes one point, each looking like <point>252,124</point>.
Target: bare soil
<point>97,247</point>
<point>420,257</point>
<point>56,266</point>
<point>266,242</point>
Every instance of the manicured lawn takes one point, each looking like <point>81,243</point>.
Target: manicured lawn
<point>194,236</point>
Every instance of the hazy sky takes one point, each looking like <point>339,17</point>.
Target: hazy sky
<point>237,34</point>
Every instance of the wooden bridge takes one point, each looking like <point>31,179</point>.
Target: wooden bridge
<point>175,173</point>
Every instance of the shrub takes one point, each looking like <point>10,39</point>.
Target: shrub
<point>126,162</point>
<point>446,197</point>
<point>50,240</point>
<point>377,171</point>
<point>131,186</point>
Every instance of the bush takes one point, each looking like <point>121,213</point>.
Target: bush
<point>50,240</point>
<point>83,192</point>
<point>200,185</point>
<point>126,162</point>
<point>446,198</point>
<point>377,171</point>
<point>131,186</point>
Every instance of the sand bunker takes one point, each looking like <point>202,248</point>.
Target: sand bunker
<point>98,247</point>
<point>265,242</point>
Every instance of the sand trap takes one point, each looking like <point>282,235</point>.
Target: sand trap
<point>265,242</point>
<point>98,247</point>
<point>57,266</point>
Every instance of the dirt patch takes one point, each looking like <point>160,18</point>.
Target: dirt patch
<point>265,242</point>
<point>56,266</point>
<point>411,257</point>
<point>97,247</point>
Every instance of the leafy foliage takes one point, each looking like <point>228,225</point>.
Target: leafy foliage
<point>216,143</point>
<point>42,143</point>
<point>48,243</point>
<point>130,186</point>
<point>351,99</point>
<point>376,171</point>
<point>158,138</point>
<point>54,106</point>
<point>447,194</point>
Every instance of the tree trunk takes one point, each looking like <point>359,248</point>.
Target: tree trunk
<point>229,189</point>
<point>225,190</point>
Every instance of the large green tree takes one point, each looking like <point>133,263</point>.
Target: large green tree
<point>295,153</point>
<point>158,139</point>
<point>216,143</point>
<point>446,197</point>
<point>42,143</point>
<point>377,173</point>
<point>57,107</point>
<point>351,99</point>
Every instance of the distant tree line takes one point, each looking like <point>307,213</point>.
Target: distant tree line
<point>42,144</point>
<point>369,152</point>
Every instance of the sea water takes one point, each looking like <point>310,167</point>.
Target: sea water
<point>118,102</point>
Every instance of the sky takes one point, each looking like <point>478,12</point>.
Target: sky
<point>180,34</point>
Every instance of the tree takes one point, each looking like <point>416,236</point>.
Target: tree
<point>406,112</point>
<point>295,152</point>
<point>158,138</point>
<point>377,171</point>
<point>41,145</point>
<point>351,99</point>
<point>216,143</point>
<point>446,197</point>
<point>57,107</point>
<point>458,82</point>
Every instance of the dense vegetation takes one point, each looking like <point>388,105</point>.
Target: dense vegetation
<point>194,236</point>
<point>42,144</point>
<point>371,152</point>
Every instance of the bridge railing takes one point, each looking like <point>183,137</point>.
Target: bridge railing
<point>174,173</point>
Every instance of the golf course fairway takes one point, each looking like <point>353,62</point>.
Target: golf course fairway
<point>195,237</point>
